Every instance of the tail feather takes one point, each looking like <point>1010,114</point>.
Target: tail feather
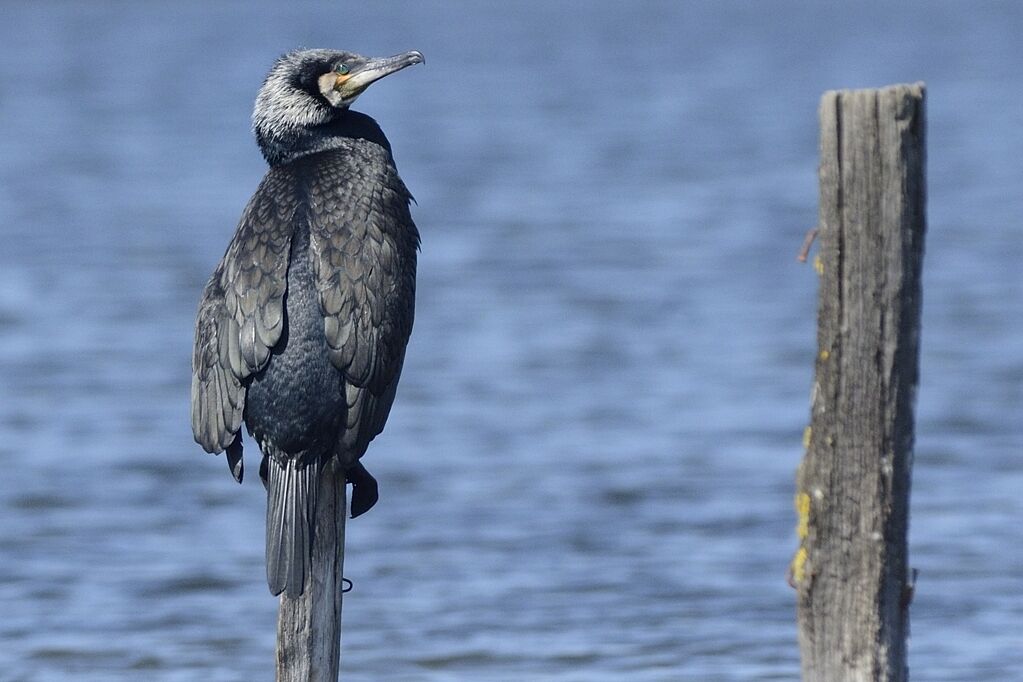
<point>290,511</point>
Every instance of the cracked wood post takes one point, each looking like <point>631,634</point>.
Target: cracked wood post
<point>309,627</point>
<point>851,569</point>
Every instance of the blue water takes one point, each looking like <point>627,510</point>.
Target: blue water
<point>588,475</point>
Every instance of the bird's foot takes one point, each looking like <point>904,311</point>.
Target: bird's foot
<point>364,489</point>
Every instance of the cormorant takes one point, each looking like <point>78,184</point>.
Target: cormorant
<point>302,327</point>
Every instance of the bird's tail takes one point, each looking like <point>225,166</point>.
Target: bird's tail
<point>290,512</point>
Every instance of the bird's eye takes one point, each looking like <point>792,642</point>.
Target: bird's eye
<point>341,69</point>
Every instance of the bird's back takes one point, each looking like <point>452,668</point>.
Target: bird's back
<point>349,305</point>
<point>296,405</point>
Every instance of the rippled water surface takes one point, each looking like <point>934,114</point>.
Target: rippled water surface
<point>589,471</point>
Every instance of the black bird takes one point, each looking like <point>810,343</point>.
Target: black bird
<point>302,328</point>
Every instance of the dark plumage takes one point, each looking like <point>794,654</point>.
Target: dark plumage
<point>302,328</point>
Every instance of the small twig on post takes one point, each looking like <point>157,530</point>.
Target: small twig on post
<point>309,627</point>
<point>804,251</point>
<point>851,568</point>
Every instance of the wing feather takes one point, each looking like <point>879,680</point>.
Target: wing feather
<point>217,393</point>
<point>256,269</point>
<point>241,314</point>
<point>363,244</point>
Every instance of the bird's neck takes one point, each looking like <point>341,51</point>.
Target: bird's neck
<point>281,147</point>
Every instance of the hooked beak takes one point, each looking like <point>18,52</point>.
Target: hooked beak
<point>351,85</point>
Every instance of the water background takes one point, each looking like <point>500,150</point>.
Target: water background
<point>589,471</point>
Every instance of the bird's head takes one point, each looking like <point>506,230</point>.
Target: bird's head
<point>310,88</point>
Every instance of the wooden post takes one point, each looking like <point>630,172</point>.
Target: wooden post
<point>309,627</point>
<point>853,484</point>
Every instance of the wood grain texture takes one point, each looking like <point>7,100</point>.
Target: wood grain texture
<point>853,484</point>
<point>309,626</point>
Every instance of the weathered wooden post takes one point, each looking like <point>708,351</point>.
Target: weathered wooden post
<point>851,568</point>
<point>309,627</point>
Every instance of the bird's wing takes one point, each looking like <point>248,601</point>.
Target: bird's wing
<point>218,397</point>
<point>241,314</point>
<point>363,244</point>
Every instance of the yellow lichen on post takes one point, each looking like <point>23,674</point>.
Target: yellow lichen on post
<point>818,264</point>
<point>803,514</point>
<point>807,432</point>
<point>797,569</point>
<point>824,355</point>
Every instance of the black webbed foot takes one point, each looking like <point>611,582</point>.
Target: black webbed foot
<point>364,489</point>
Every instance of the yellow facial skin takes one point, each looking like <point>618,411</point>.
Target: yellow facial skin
<point>332,87</point>
<point>340,80</point>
